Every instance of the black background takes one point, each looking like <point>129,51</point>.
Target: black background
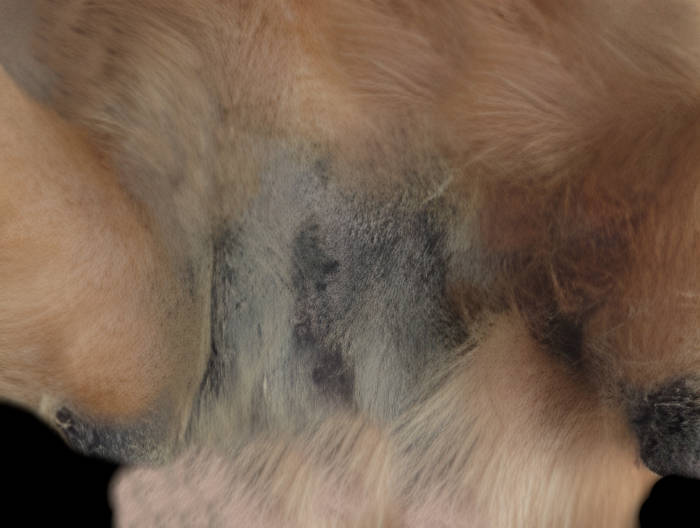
<point>44,479</point>
<point>44,483</point>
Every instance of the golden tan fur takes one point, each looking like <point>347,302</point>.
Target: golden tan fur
<point>68,237</point>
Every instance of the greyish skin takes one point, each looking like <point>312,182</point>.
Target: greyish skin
<point>309,272</point>
<point>307,284</point>
<point>666,423</point>
<point>315,288</point>
<point>306,288</point>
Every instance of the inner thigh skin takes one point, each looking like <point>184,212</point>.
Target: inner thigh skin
<point>92,316</point>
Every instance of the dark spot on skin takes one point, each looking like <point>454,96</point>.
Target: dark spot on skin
<point>330,267</point>
<point>314,267</point>
<point>386,255</point>
<point>118,443</point>
<point>316,315</point>
<point>303,335</point>
<point>332,375</point>
<point>667,424</point>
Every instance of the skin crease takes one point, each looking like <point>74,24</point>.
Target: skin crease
<point>373,264</point>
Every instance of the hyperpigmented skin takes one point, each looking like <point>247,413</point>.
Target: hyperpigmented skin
<point>132,442</point>
<point>310,291</point>
<point>667,424</point>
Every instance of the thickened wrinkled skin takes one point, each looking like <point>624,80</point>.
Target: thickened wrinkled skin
<point>356,263</point>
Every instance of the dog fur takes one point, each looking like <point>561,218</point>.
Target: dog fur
<point>357,263</point>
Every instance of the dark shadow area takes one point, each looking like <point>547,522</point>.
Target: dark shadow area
<point>674,502</point>
<point>43,479</point>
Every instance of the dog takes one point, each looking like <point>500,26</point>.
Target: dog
<point>356,263</point>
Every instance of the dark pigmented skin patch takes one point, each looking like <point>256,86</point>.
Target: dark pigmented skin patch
<point>667,424</point>
<point>112,442</point>
<point>315,316</point>
<point>384,264</point>
<point>316,293</point>
<point>333,375</point>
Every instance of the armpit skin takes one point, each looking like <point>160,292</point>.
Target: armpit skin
<point>357,262</point>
